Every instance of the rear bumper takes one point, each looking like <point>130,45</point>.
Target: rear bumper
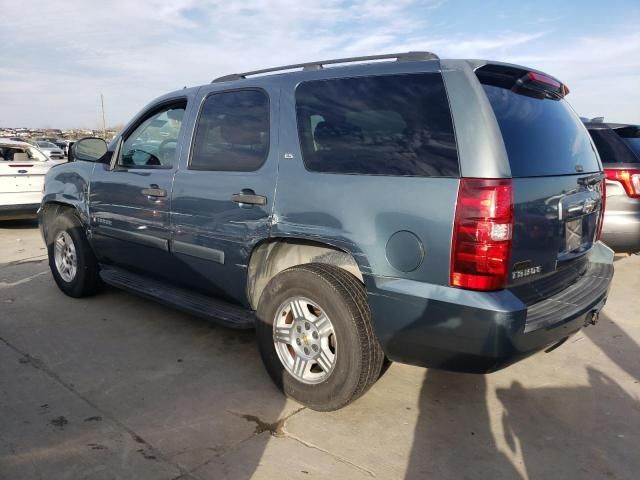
<point>621,231</point>
<point>480,332</point>
<point>16,212</point>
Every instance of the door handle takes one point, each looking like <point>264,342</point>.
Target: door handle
<point>154,191</point>
<point>248,197</point>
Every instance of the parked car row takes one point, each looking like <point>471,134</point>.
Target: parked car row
<point>48,144</point>
<point>58,142</point>
<point>51,149</point>
<point>440,213</point>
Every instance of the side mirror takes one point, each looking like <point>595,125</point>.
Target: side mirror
<point>89,149</point>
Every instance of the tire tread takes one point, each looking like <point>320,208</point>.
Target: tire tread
<point>352,290</point>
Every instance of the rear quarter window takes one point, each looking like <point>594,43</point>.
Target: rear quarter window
<point>380,125</point>
<point>543,136</point>
<point>612,148</point>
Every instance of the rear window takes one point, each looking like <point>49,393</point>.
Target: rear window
<point>382,125</point>
<point>543,136</point>
<point>7,154</point>
<point>631,137</point>
<point>611,147</point>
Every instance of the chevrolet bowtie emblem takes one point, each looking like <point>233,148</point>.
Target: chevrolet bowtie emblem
<point>589,206</point>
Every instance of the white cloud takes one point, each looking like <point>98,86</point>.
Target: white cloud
<point>134,51</point>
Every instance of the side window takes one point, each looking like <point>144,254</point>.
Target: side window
<point>232,133</point>
<point>382,125</point>
<point>153,144</point>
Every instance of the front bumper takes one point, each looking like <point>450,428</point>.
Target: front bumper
<point>18,212</point>
<point>480,332</point>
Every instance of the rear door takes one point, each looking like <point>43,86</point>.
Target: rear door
<point>557,183</point>
<point>224,192</point>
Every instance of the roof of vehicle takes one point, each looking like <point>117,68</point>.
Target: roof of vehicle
<point>607,125</point>
<point>14,143</point>
<point>339,66</point>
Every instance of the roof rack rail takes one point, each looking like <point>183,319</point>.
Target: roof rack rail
<point>399,57</point>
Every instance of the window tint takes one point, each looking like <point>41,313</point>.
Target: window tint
<point>384,125</point>
<point>232,132</point>
<point>543,136</point>
<point>611,147</point>
<point>153,144</point>
<point>631,137</point>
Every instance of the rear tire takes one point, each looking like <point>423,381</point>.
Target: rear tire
<point>344,357</point>
<point>71,260</point>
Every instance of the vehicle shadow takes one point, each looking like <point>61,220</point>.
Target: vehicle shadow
<point>453,436</point>
<point>589,431</point>
<point>616,344</point>
<point>22,224</point>
<point>584,431</point>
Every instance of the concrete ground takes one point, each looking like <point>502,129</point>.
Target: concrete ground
<point>115,386</point>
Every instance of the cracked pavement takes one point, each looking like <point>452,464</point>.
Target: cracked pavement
<point>116,386</point>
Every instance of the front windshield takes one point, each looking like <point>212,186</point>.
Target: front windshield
<point>35,154</point>
<point>46,145</point>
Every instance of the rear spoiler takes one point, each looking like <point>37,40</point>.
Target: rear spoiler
<point>521,80</point>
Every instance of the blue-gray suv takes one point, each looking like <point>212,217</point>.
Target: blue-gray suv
<point>441,213</point>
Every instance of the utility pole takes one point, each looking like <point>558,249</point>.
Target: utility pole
<point>104,123</point>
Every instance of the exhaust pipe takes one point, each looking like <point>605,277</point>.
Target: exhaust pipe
<point>592,318</point>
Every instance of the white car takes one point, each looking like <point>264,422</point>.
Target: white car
<point>52,150</point>
<point>22,170</point>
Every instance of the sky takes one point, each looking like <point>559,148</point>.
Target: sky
<point>57,57</point>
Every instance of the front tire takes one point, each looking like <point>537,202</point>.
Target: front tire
<point>315,336</point>
<point>71,260</point>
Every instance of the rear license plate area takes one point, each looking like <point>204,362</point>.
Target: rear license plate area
<point>573,234</point>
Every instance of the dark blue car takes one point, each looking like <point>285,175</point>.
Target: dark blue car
<point>441,213</point>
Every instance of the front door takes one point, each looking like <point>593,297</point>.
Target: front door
<point>223,194</point>
<point>130,198</point>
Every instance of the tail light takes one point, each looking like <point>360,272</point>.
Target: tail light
<point>628,177</point>
<point>603,192</point>
<point>482,231</point>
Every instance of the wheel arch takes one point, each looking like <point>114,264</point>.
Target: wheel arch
<point>53,208</point>
<point>274,255</point>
